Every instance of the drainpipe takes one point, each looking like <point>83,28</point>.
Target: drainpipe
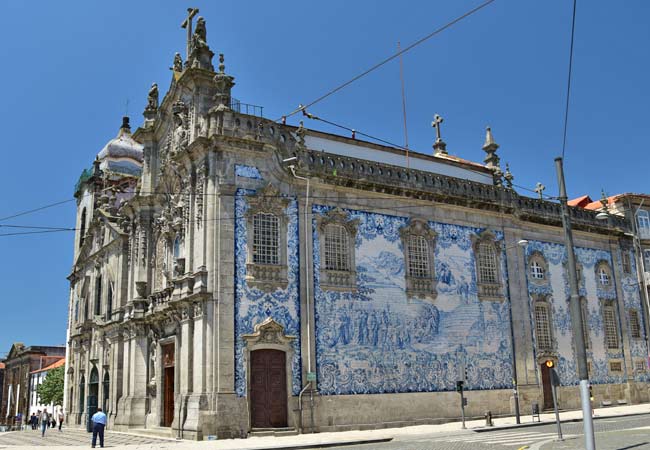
<point>300,404</point>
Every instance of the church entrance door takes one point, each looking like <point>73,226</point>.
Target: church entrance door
<point>546,387</point>
<point>168,384</point>
<point>268,390</point>
<point>93,397</point>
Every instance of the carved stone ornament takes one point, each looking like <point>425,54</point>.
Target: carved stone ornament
<point>181,133</point>
<point>141,289</point>
<point>268,333</point>
<point>152,98</point>
<point>420,279</point>
<point>198,310</point>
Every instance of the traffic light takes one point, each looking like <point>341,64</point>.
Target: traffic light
<point>591,393</point>
<point>459,386</point>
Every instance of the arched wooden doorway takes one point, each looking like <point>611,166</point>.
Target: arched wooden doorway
<point>268,389</point>
<point>93,397</point>
<point>168,360</point>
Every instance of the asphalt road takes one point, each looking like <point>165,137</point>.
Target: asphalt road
<point>617,433</point>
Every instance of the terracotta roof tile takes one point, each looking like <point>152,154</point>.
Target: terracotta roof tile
<point>54,365</point>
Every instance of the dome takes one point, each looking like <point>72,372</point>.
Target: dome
<point>122,155</point>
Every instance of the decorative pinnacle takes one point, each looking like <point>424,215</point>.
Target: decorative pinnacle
<point>603,199</point>
<point>508,176</point>
<point>489,140</point>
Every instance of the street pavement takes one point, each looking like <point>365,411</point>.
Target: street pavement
<point>621,428</point>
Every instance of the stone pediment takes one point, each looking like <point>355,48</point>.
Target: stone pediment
<point>101,232</point>
<point>16,349</point>
<point>268,332</point>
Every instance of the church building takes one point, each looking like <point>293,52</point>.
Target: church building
<point>234,274</point>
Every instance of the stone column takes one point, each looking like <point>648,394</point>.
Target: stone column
<point>115,386</point>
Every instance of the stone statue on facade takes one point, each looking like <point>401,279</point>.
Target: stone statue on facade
<point>199,38</point>
<point>152,98</point>
<point>178,63</point>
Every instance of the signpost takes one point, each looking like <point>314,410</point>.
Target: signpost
<point>555,382</point>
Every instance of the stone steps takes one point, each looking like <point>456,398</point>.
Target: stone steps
<point>275,432</point>
<point>160,432</point>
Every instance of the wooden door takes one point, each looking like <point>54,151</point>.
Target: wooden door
<point>546,387</point>
<point>268,389</point>
<point>168,363</point>
<point>168,397</point>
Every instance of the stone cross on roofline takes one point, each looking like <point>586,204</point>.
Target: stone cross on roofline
<point>539,188</point>
<point>439,146</point>
<point>187,23</point>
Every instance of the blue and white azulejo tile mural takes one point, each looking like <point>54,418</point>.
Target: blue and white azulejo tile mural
<point>253,306</point>
<point>377,340</point>
<point>555,290</point>
<point>244,171</point>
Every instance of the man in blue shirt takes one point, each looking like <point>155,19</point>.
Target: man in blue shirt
<point>99,422</point>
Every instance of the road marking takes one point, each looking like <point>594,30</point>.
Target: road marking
<point>502,438</point>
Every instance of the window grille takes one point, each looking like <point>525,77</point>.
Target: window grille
<point>418,252</point>
<point>543,327</point>
<point>646,256</point>
<point>644,220</point>
<point>536,270</point>
<point>639,365</point>
<point>616,366</point>
<point>336,248</point>
<point>584,310</point>
<point>635,324</point>
<point>611,331</point>
<point>487,263</point>
<point>266,239</point>
<point>603,276</point>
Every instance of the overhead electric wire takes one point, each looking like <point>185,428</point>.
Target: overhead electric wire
<point>568,87</point>
<point>390,58</point>
<point>36,209</point>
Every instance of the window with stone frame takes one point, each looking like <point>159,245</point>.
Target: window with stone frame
<point>266,237</point>
<point>604,275</point>
<point>639,365</point>
<point>635,324</point>
<point>610,325</point>
<point>488,271</point>
<point>584,312</point>
<point>337,236</point>
<point>537,268</point>
<point>543,330</point>
<point>98,295</point>
<point>643,219</point>
<point>418,244</point>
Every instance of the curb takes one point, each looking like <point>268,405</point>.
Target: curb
<point>537,424</point>
<point>326,444</point>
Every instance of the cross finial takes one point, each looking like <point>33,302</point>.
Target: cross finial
<point>187,23</point>
<point>439,146</point>
<point>539,188</point>
<point>437,120</point>
<point>603,199</point>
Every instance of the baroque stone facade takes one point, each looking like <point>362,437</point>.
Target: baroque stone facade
<point>226,265</point>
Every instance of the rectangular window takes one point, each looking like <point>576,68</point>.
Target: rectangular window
<point>611,330</point>
<point>635,324</point>
<point>418,257</point>
<point>266,230</point>
<point>646,257</point>
<point>543,327</point>
<point>487,263</point>
<point>336,248</point>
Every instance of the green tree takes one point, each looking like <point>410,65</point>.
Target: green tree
<point>51,390</point>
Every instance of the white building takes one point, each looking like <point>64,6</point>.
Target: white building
<point>36,378</point>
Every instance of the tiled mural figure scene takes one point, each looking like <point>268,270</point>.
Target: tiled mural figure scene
<point>242,268</point>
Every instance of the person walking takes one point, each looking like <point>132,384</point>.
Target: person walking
<point>61,417</point>
<point>45,420</point>
<point>99,423</point>
<point>33,420</point>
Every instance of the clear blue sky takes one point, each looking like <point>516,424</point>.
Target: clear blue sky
<point>68,69</point>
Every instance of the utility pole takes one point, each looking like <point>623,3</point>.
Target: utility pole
<point>576,316</point>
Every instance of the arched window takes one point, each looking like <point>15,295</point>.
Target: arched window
<point>625,261</point>
<point>82,227</point>
<point>418,242</point>
<point>266,239</point>
<point>418,263</point>
<point>98,295</point>
<point>82,394</point>
<point>336,235</point>
<point>336,256</point>
<point>635,324</point>
<point>177,247</point>
<point>604,275</point>
<point>486,255</point>
<point>109,301</point>
<point>543,331</point>
<point>106,386</point>
<point>536,270</point>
